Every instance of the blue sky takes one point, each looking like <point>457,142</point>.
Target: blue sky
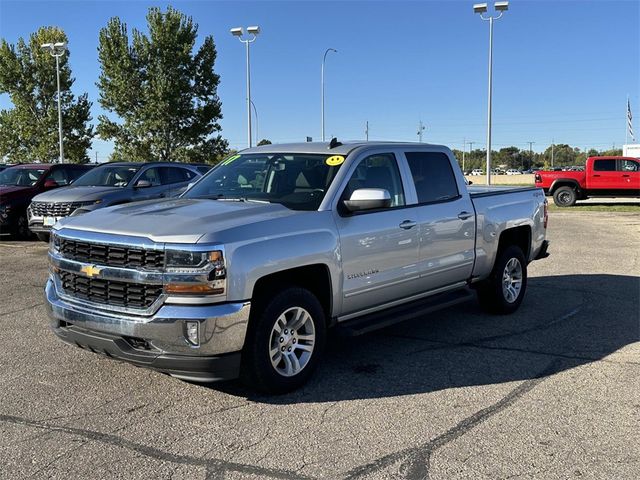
<point>562,69</point>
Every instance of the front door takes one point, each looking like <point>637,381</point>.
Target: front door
<point>379,249</point>
<point>604,176</point>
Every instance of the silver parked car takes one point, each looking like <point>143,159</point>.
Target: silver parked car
<point>106,185</point>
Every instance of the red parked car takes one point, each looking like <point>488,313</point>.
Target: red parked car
<point>602,177</point>
<point>20,183</point>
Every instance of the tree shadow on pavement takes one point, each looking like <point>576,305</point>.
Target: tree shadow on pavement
<point>576,318</point>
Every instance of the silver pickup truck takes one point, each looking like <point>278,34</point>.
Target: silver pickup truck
<point>244,274</point>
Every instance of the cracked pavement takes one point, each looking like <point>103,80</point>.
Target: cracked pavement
<point>548,392</point>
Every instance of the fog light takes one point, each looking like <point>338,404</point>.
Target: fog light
<point>192,333</point>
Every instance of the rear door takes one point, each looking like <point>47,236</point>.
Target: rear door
<point>174,179</point>
<point>629,170</point>
<point>379,248</point>
<point>446,220</point>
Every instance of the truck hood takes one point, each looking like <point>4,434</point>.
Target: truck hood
<point>180,220</point>
<point>76,194</point>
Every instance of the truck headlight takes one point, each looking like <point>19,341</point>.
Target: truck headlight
<point>195,273</point>
<point>54,242</point>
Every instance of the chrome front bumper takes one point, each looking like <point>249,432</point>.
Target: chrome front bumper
<point>222,332</point>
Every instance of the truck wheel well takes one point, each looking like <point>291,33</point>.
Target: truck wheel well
<point>518,236</point>
<point>314,278</point>
<point>565,183</point>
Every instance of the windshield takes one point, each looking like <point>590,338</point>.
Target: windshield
<point>107,176</point>
<point>296,180</point>
<point>21,177</point>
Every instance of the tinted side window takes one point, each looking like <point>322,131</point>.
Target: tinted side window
<point>170,175</point>
<point>628,166</point>
<point>59,175</point>
<point>76,172</point>
<point>433,177</point>
<point>604,165</point>
<point>151,175</point>
<point>378,171</point>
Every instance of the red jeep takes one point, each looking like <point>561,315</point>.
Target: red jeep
<point>602,177</point>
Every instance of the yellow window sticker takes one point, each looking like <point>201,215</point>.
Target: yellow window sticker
<point>335,160</point>
<point>230,159</point>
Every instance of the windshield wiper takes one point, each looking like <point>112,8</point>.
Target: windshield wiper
<point>223,198</point>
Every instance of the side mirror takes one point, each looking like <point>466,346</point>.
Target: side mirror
<point>143,184</point>
<point>50,184</point>
<point>368,199</point>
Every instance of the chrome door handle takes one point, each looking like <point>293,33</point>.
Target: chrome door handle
<point>464,215</point>
<point>407,224</point>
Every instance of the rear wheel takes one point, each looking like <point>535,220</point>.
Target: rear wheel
<point>564,197</point>
<point>284,342</point>
<point>503,291</point>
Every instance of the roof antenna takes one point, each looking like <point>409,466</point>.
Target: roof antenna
<point>334,143</point>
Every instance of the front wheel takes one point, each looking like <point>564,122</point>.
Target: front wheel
<point>43,236</point>
<point>284,342</point>
<point>503,291</point>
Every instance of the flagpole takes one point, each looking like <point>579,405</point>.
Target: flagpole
<point>626,123</point>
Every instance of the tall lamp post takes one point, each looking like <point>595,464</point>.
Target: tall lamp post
<point>253,33</point>
<point>57,50</point>
<point>481,8</point>
<point>322,86</point>
<point>255,112</point>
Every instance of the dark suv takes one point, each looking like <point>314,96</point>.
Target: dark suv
<point>20,183</point>
<point>106,185</point>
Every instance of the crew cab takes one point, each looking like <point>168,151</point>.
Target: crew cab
<point>245,272</point>
<point>110,184</point>
<point>602,177</point>
<point>20,183</point>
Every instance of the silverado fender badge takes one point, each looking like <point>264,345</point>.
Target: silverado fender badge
<point>91,270</point>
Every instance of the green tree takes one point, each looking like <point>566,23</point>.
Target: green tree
<point>163,96</point>
<point>264,141</point>
<point>29,130</point>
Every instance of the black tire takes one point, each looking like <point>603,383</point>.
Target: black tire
<point>21,229</point>
<point>492,295</point>
<point>565,197</point>
<point>43,236</point>
<point>257,369</point>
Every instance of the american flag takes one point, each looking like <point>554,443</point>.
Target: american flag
<point>629,124</point>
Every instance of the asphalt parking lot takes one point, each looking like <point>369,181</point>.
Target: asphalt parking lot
<point>549,392</point>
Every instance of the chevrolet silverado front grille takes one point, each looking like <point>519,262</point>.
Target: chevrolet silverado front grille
<point>111,255</point>
<point>109,292</point>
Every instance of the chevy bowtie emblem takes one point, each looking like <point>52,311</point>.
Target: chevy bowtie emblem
<point>90,270</point>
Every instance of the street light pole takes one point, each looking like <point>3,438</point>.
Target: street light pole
<point>57,50</point>
<point>239,32</point>
<point>324,58</point>
<point>481,8</point>
<point>255,112</point>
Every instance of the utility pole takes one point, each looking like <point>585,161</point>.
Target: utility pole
<point>464,147</point>
<point>530,154</point>
<point>421,128</point>
<point>96,157</point>
<point>366,130</point>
